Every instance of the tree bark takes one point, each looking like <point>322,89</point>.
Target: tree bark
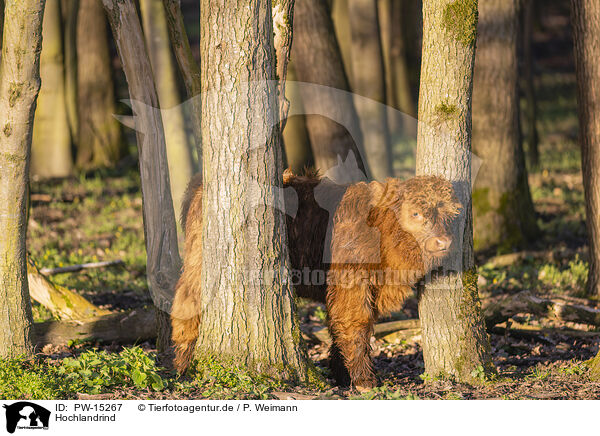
<point>99,143</point>
<point>586,26</point>
<point>317,58</point>
<point>455,342</point>
<point>19,87</point>
<point>163,262</point>
<point>179,152</point>
<point>503,210</point>
<point>248,310</point>
<point>368,80</point>
<point>531,131</point>
<point>51,146</point>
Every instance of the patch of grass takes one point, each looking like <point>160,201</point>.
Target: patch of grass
<point>385,392</point>
<point>573,277</point>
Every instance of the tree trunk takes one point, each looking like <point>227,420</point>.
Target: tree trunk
<point>188,68</point>
<point>317,58</point>
<point>502,206</point>
<point>70,9</point>
<point>51,146</point>
<point>586,25</point>
<point>370,82</point>
<point>341,24</point>
<point>163,262</point>
<point>455,343</point>
<point>99,142</point>
<point>295,135</point>
<point>248,310</point>
<point>531,131</point>
<point>19,87</point>
<point>179,151</point>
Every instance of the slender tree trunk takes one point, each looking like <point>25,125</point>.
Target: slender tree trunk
<point>502,206</point>
<point>455,343</point>
<point>19,87</point>
<point>317,58</point>
<point>51,146</point>
<point>295,135</point>
<point>70,9</point>
<point>99,141</point>
<point>368,80</point>
<point>341,24</point>
<point>189,70</point>
<point>586,26</point>
<point>399,68</point>
<point>248,311</point>
<point>179,151</point>
<point>163,262</point>
<point>532,137</point>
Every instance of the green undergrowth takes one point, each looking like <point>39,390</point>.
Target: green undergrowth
<point>92,372</point>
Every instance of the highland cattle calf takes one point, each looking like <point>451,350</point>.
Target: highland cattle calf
<point>359,248</point>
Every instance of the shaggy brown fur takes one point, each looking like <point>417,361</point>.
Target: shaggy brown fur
<point>384,237</point>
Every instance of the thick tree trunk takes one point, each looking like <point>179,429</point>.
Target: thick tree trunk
<point>179,152</point>
<point>502,206</point>
<point>317,58</point>
<point>19,87</point>
<point>248,311</point>
<point>531,131</point>
<point>586,25</point>
<point>455,342</point>
<point>51,146</point>
<point>368,80</point>
<point>163,262</point>
<point>99,141</point>
<point>189,70</point>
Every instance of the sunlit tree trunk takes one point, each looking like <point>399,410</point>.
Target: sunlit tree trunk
<point>317,59</point>
<point>179,151</point>
<point>51,147</point>
<point>341,24</point>
<point>586,26</point>
<point>455,343</point>
<point>248,313</point>
<point>189,69</point>
<point>19,87</point>
<point>70,10</point>
<point>368,80</point>
<point>295,136</point>
<point>99,141</point>
<point>502,206</point>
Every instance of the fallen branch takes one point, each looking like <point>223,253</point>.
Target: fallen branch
<point>539,333</point>
<point>61,301</point>
<point>125,327</point>
<point>505,260</point>
<point>79,267</point>
<point>497,311</point>
<point>382,330</point>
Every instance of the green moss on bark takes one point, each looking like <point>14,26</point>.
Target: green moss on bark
<point>446,111</point>
<point>460,20</point>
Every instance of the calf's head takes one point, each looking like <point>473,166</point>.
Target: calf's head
<point>427,207</point>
